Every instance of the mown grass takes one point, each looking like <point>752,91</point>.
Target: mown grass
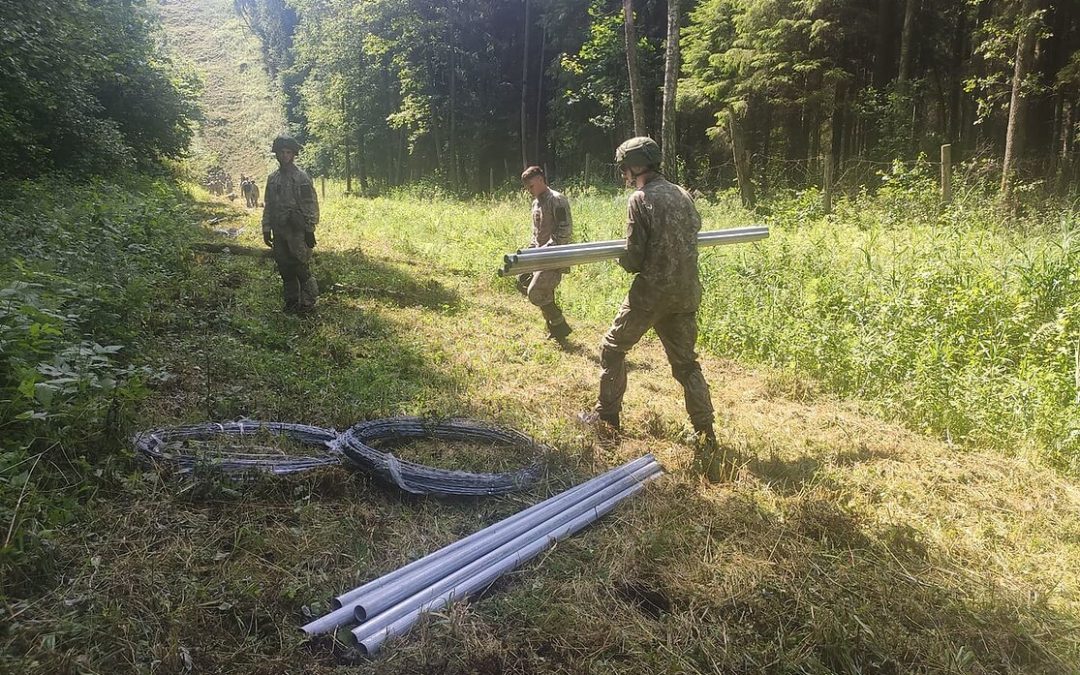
<point>843,543</point>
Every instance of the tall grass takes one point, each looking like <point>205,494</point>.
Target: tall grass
<point>955,319</point>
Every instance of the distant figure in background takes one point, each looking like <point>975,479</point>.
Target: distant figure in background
<point>551,226</point>
<point>288,222</point>
<point>250,191</point>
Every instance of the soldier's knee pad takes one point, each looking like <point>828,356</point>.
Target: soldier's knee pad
<point>540,297</point>
<point>685,371</point>
<point>609,358</point>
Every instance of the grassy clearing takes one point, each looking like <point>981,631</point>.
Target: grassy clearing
<point>843,543</point>
<point>243,112</point>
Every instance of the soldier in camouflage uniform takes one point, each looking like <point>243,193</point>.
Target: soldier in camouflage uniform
<point>661,236</point>
<point>551,226</point>
<point>289,218</point>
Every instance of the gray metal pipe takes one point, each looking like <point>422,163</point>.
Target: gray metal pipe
<point>497,532</point>
<point>370,642</point>
<point>557,260</point>
<point>391,601</point>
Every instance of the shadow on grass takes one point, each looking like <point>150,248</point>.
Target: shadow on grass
<point>814,587</point>
<point>793,475</point>
<point>352,275</point>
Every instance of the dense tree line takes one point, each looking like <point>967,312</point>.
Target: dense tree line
<point>766,89</point>
<point>86,87</point>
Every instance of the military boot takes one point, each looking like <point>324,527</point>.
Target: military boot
<point>605,426</point>
<point>707,457</point>
<point>559,330</point>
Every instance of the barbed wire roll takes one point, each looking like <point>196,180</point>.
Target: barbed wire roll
<point>419,479</point>
<point>165,446</point>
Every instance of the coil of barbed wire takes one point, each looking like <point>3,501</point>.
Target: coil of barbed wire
<point>169,446</point>
<point>173,446</point>
<point>419,479</point>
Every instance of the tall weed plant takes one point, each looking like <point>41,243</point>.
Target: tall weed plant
<point>957,319</point>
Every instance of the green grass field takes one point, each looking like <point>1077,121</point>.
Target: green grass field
<point>845,540</point>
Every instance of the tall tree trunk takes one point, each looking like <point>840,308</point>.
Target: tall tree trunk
<point>905,41</point>
<point>742,159</point>
<point>452,149</point>
<point>636,102</point>
<point>540,91</point>
<point>1014,135</point>
<point>884,59</point>
<point>525,90</point>
<point>671,80</point>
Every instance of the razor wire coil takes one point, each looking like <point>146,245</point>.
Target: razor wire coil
<point>173,446</point>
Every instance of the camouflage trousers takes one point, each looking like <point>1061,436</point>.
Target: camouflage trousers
<point>539,288</point>
<point>678,334</point>
<point>293,258</point>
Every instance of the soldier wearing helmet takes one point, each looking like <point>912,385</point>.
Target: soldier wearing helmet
<point>290,214</point>
<point>661,253</point>
<point>551,226</point>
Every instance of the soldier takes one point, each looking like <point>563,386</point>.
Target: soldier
<point>551,226</point>
<point>288,223</point>
<point>662,254</point>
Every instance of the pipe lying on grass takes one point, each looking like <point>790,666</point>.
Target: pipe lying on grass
<point>370,636</point>
<point>389,605</point>
<point>569,255</point>
<point>468,549</point>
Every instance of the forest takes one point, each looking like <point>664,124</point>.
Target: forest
<point>755,93</point>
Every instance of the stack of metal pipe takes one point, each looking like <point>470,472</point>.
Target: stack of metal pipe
<point>568,255</point>
<point>391,604</point>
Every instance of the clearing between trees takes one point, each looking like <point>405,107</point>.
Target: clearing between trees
<point>842,543</point>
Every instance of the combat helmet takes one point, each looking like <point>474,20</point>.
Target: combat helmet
<point>284,142</point>
<point>638,151</point>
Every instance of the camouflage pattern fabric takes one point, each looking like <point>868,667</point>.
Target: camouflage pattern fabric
<point>552,224</point>
<point>661,242</point>
<point>678,333</point>
<point>661,234</point>
<point>291,209</point>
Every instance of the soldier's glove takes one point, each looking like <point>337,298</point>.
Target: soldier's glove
<point>522,283</point>
<point>268,237</point>
<point>309,239</point>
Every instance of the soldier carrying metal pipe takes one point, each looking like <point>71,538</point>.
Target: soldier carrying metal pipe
<point>551,226</point>
<point>662,254</point>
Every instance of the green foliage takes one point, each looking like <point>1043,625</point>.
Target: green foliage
<point>85,267</point>
<point>87,89</point>
<point>941,316</point>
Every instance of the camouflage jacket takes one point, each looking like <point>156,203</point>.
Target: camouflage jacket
<point>661,247</point>
<point>290,201</point>
<point>551,222</point>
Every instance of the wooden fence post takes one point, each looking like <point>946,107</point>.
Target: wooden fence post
<point>323,179</point>
<point>587,158</point>
<point>827,186</point>
<point>946,173</point>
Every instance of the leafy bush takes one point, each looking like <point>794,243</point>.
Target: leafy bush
<point>86,265</point>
